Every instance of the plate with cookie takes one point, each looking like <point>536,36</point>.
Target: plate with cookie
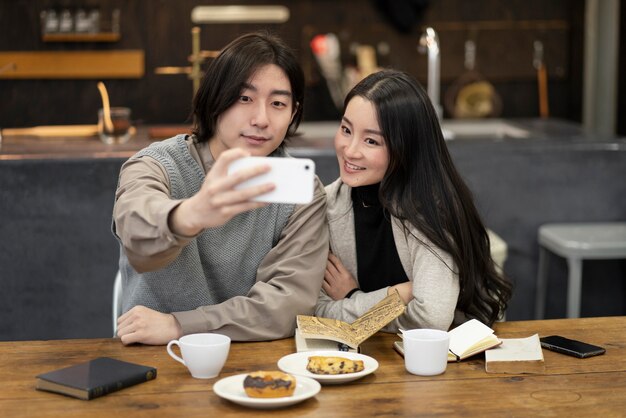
<point>266,389</point>
<point>328,367</point>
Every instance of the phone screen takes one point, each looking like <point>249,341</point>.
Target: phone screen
<point>571,347</point>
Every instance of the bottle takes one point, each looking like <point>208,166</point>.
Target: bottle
<point>66,21</point>
<point>51,24</point>
<point>82,21</point>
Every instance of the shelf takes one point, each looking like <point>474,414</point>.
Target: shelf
<point>82,37</point>
<point>73,64</point>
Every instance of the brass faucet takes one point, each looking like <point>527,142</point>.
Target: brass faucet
<point>221,15</point>
<point>197,57</point>
<point>429,44</point>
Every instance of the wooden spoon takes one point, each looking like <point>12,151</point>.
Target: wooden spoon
<point>106,107</point>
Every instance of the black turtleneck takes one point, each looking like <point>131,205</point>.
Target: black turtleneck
<point>378,263</point>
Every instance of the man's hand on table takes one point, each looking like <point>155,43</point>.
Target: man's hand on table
<point>146,326</point>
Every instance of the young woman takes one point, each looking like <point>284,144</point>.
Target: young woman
<point>401,218</point>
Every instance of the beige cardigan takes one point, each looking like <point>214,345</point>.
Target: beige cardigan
<point>432,271</point>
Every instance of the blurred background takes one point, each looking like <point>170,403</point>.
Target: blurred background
<point>529,91</point>
<point>504,33</point>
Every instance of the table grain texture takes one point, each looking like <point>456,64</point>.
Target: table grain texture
<point>569,387</point>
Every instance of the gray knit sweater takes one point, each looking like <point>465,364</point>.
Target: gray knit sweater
<point>218,264</point>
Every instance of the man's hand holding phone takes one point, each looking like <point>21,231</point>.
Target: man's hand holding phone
<point>238,183</point>
<point>218,200</point>
<point>294,178</point>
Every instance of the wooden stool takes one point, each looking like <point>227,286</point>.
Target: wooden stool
<point>576,242</point>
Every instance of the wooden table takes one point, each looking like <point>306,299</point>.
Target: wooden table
<point>570,387</point>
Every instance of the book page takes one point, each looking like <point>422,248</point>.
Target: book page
<point>353,334</point>
<point>326,328</point>
<point>517,349</point>
<point>515,356</point>
<point>378,316</point>
<point>318,344</point>
<point>468,334</point>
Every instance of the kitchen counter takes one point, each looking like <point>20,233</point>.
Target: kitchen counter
<point>314,137</point>
<point>58,257</point>
<point>14,147</point>
<point>36,148</point>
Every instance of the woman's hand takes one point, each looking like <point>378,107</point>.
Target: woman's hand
<point>147,326</point>
<point>405,290</point>
<point>337,279</point>
<point>217,201</point>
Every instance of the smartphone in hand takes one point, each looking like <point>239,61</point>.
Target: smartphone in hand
<point>569,347</point>
<point>294,178</point>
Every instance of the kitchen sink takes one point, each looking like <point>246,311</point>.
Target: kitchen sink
<point>483,128</point>
<point>321,134</point>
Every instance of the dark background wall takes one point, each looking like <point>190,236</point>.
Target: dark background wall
<point>58,257</point>
<point>504,32</point>
<point>621,89</point>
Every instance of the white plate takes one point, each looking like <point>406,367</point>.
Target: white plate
<point>296,364</point>
<point>231,388</point>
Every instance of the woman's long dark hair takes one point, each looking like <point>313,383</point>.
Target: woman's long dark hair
<point>422,187</point>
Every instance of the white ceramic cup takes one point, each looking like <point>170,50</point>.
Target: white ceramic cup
<point>426,351</point>
<point>203,354</point>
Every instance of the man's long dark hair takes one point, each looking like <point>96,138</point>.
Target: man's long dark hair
<point>227,75</point>
<point>423,188</point>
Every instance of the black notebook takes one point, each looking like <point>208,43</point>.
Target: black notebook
<point>95,378</point>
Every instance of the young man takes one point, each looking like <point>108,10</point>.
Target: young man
<point>198,255</point>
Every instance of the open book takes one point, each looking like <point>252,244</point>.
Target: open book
<point>315,333</point>
<point>516,355</point>
<point>466,340</point>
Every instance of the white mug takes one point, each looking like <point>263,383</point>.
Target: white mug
<point>203,354</point>
<point>426,351</point>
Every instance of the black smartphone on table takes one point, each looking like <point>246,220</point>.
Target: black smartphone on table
<point>570,347</point>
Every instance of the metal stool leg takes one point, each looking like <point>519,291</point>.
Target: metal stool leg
<point>542,283</point>
<point>575,266</point>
